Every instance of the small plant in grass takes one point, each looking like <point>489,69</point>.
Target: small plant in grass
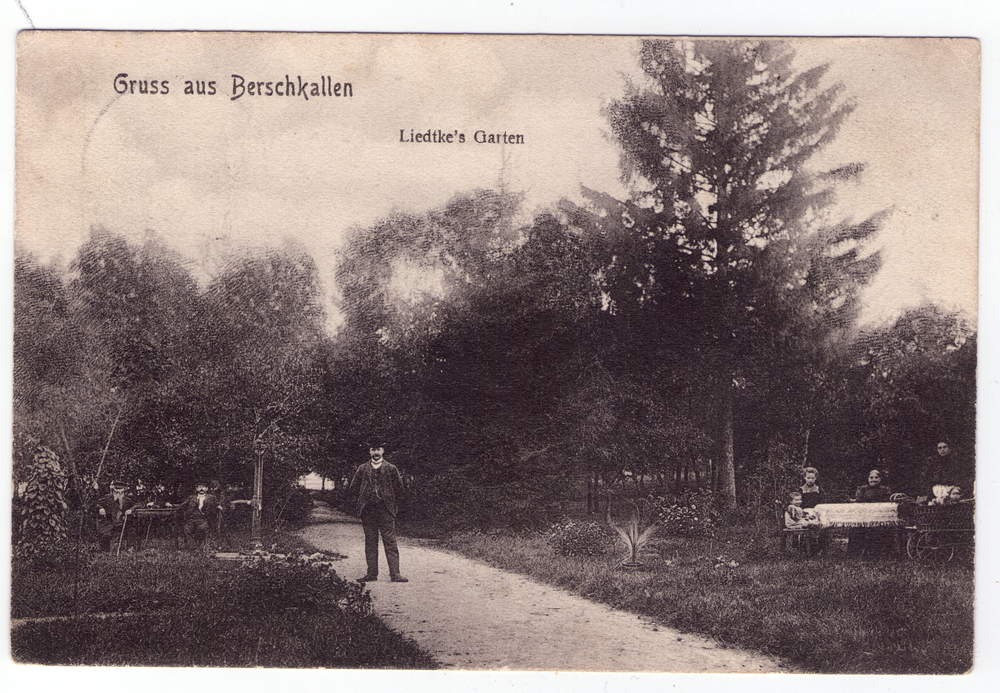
<point>572,538</point>
<point>632,535</point>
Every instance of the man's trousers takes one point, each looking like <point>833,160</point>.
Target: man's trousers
<point>375,518</point>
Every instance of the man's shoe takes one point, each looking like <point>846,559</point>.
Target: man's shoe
<point>368,578</point>
<point>399,578</point>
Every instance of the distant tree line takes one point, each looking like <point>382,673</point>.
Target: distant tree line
<point>701,332</point>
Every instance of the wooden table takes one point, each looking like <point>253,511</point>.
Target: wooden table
<point>834,516</point>
<point>162,516</point>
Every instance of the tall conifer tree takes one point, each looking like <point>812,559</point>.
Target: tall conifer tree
<point>731,217</point>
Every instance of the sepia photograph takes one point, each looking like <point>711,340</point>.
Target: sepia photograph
<point>473,352</point>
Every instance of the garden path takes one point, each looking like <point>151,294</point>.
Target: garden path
<point>471,616</point>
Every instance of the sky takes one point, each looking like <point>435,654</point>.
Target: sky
<point>211,174</point>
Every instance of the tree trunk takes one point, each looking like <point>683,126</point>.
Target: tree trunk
<point>805,447</point>
<point>727,471</point>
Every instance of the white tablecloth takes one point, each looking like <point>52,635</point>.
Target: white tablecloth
<point>858,515</point>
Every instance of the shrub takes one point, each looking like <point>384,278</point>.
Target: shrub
<point>454,503</point>
<point>572,538</point>
<point>447,499</point>
<point>294,508</point>
<point>274,584</point>
<point>42,521</point>
<point>689,514</point>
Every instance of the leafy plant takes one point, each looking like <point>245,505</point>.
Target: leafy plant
<point>572,538</point>
<point>632,537</point>
<point>691,514</point>
<point>42,505</point>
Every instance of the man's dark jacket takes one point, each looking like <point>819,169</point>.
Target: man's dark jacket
<point>390,484</point>
<point>114,513</point>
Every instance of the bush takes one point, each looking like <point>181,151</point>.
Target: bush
<point>690,514</point>
<point>446,499</point>
<point>453,503</point>
<point>274,584</point>
<point>572,538</point>
<point>294,508</point>
<point>42,506</point>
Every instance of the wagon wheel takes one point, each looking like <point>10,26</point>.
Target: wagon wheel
<point>932,548</point>
<point>911,544</point>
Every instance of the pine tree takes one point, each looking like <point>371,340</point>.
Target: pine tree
<point>730,217</point>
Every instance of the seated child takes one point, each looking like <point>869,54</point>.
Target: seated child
<point>797,517</point>
<point>945,495</point>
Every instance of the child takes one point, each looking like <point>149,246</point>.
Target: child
<point>797,517</point>
<point>812,495</point>
<point>945,495</point>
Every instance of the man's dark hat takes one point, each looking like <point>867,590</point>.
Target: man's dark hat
<point>119,484</point>
<point>376,442</point>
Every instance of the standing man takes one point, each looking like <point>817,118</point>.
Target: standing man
<point>379,485</point>
<point>112,510</point>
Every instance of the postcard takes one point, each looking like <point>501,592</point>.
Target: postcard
<point>495,352</point>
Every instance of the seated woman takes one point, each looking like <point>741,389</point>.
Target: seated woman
<point>876,540</point>
<point>873,491</point>
<point>812,495</point>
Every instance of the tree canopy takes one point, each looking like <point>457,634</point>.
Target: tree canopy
<point>701,332</point>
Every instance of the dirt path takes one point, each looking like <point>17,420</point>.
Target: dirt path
<point>469,615</point>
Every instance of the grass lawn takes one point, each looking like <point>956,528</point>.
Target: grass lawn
<point>830,614</point>
<point>162,607</point>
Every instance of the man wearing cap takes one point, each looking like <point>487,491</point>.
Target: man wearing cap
<point>199,513</point>
<point>379,486</point>
<point>111,511</point>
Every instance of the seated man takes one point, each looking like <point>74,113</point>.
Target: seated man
<point>112,511</point>
<point>199,513</point>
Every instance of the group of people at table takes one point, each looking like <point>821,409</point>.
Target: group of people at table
<point>944,480</point>
<point>197,515</point>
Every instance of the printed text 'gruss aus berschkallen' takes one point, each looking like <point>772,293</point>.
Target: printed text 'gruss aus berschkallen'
<point>298,87</point>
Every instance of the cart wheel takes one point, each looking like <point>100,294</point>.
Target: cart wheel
<point>911,545</point>
<point>932,549</point>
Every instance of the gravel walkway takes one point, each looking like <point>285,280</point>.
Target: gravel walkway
<point>471,616</point>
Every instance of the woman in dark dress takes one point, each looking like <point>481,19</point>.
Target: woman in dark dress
<point>873,491</point>
<point>871,541</point>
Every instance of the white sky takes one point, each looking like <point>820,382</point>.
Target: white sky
<point>210,174</point>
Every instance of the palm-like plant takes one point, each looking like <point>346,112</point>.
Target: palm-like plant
<point>632,537</point>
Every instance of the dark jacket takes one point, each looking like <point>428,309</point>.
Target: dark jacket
<point>370,483</point>
<point>209,508</point>
<point>873,494</point>
<point>812,497</point>
<point>950,470</point>
<point>114,513</point>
